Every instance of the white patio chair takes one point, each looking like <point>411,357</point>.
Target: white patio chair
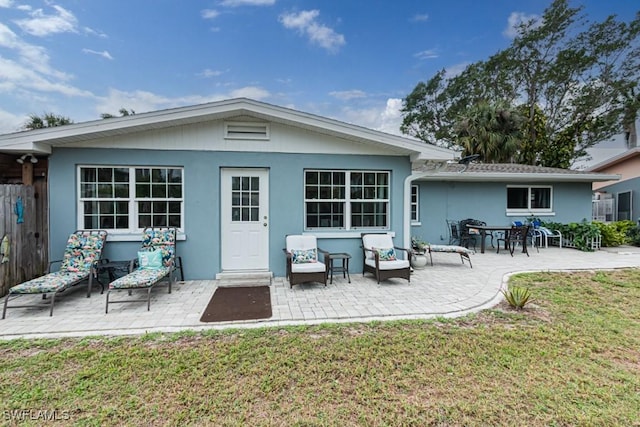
<point>303,264</point>
<point>380,257</point>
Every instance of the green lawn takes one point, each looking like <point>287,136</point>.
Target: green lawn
<point>572,357</point>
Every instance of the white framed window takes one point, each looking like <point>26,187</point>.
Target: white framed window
<point>415,204</point>
<point>346,200</point>
<point>128,199</point>
<point>523,199</point>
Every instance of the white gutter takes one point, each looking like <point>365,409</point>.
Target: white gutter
<point>406,223</point>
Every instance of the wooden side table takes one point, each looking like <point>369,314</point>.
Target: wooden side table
<point>344,268</point>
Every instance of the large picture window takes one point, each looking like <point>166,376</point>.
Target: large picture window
<point>130,198</point>
<point>346,199</point>
<point>525,199</point>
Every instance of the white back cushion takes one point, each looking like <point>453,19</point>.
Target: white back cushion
<point>301,242</point>
<point>377,241</point>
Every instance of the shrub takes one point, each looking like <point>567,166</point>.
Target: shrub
<point>633,234</point>
<point>613,233</point>
<point>517,296</point>
<point>580,233</point>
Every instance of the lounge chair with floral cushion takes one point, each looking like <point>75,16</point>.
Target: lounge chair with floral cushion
<point>303,263</point>
<point>81,256</point>
<point>381,257</point>
<point>451,249</point>
<point>155,263</point>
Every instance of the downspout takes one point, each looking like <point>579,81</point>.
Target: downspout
<point>406,232</point>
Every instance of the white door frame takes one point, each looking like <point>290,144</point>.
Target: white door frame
<point>244,219</point>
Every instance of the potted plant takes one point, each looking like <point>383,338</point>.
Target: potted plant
<point>418,245</point>
<point>419,248</point>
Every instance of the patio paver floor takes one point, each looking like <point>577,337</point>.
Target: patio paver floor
<point>446,289</point>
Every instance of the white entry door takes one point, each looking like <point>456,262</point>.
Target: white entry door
<point>245,222</point>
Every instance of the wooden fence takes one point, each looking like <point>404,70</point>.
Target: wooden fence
<point>28,241</point>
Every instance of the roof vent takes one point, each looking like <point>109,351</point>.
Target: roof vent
<point>246,130</point>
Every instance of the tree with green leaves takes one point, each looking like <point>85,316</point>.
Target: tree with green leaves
<point>572,81</point>
<point>493,132</point>
<point>47,120</point>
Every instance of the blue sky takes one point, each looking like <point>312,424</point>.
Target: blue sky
<point>352,60</point>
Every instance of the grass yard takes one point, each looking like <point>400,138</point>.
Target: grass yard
<point>572,357</point>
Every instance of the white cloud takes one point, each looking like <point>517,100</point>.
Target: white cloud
<point>95,33</point>
<point>426,54</point>
<point>209,13</point>
<point>347,95</point>
<point>31,56</point>
<point>10,122</point>
<point>305,22</point>
<point>207,73</point>
<point>252,92</point>
<point>385,118</point>
<point>144,101</point>
<point>236,3</point>
<point>391,117</point>
<point>420,17</point>
<point>104,53</point>
<point>6,3</point>
<point>456,69</point>
<point>517,18</point>
<point>18,77</point>
<point>41,24</point>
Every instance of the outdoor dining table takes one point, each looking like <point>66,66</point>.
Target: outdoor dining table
<point>484,229</point>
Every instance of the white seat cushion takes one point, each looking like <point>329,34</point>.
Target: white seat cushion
<point>309,267</point>
<point>389,265</point>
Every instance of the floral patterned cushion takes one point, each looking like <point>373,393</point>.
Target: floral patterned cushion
<point>142,278</point>
<point>304,256</point>
<point>82,251</point>
<point>163,240</point>
<point>386,254</point>
<point>52,282</point>
<point>450,249</point>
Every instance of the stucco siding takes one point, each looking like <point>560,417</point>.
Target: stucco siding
<point>487,201</point>
<point>201,251</point>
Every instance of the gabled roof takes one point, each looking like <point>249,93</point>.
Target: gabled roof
<point>509,172</point>
<point>634,152</point>
<point>40,141</point>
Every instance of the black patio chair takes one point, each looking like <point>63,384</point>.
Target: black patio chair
<point>518,235</point>
<point>454,232</point>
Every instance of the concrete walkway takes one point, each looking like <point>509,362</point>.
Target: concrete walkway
<point>446,289</point>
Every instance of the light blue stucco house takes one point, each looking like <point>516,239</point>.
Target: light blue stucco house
<point>236,176</point>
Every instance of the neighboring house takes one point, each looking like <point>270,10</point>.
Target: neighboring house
<point>236,176</point>
<point>614,146</point>
<point>615,201</point>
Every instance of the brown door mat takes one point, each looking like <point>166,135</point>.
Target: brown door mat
<point>238,303</point>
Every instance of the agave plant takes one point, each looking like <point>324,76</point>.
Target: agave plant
<point>517,296</point>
